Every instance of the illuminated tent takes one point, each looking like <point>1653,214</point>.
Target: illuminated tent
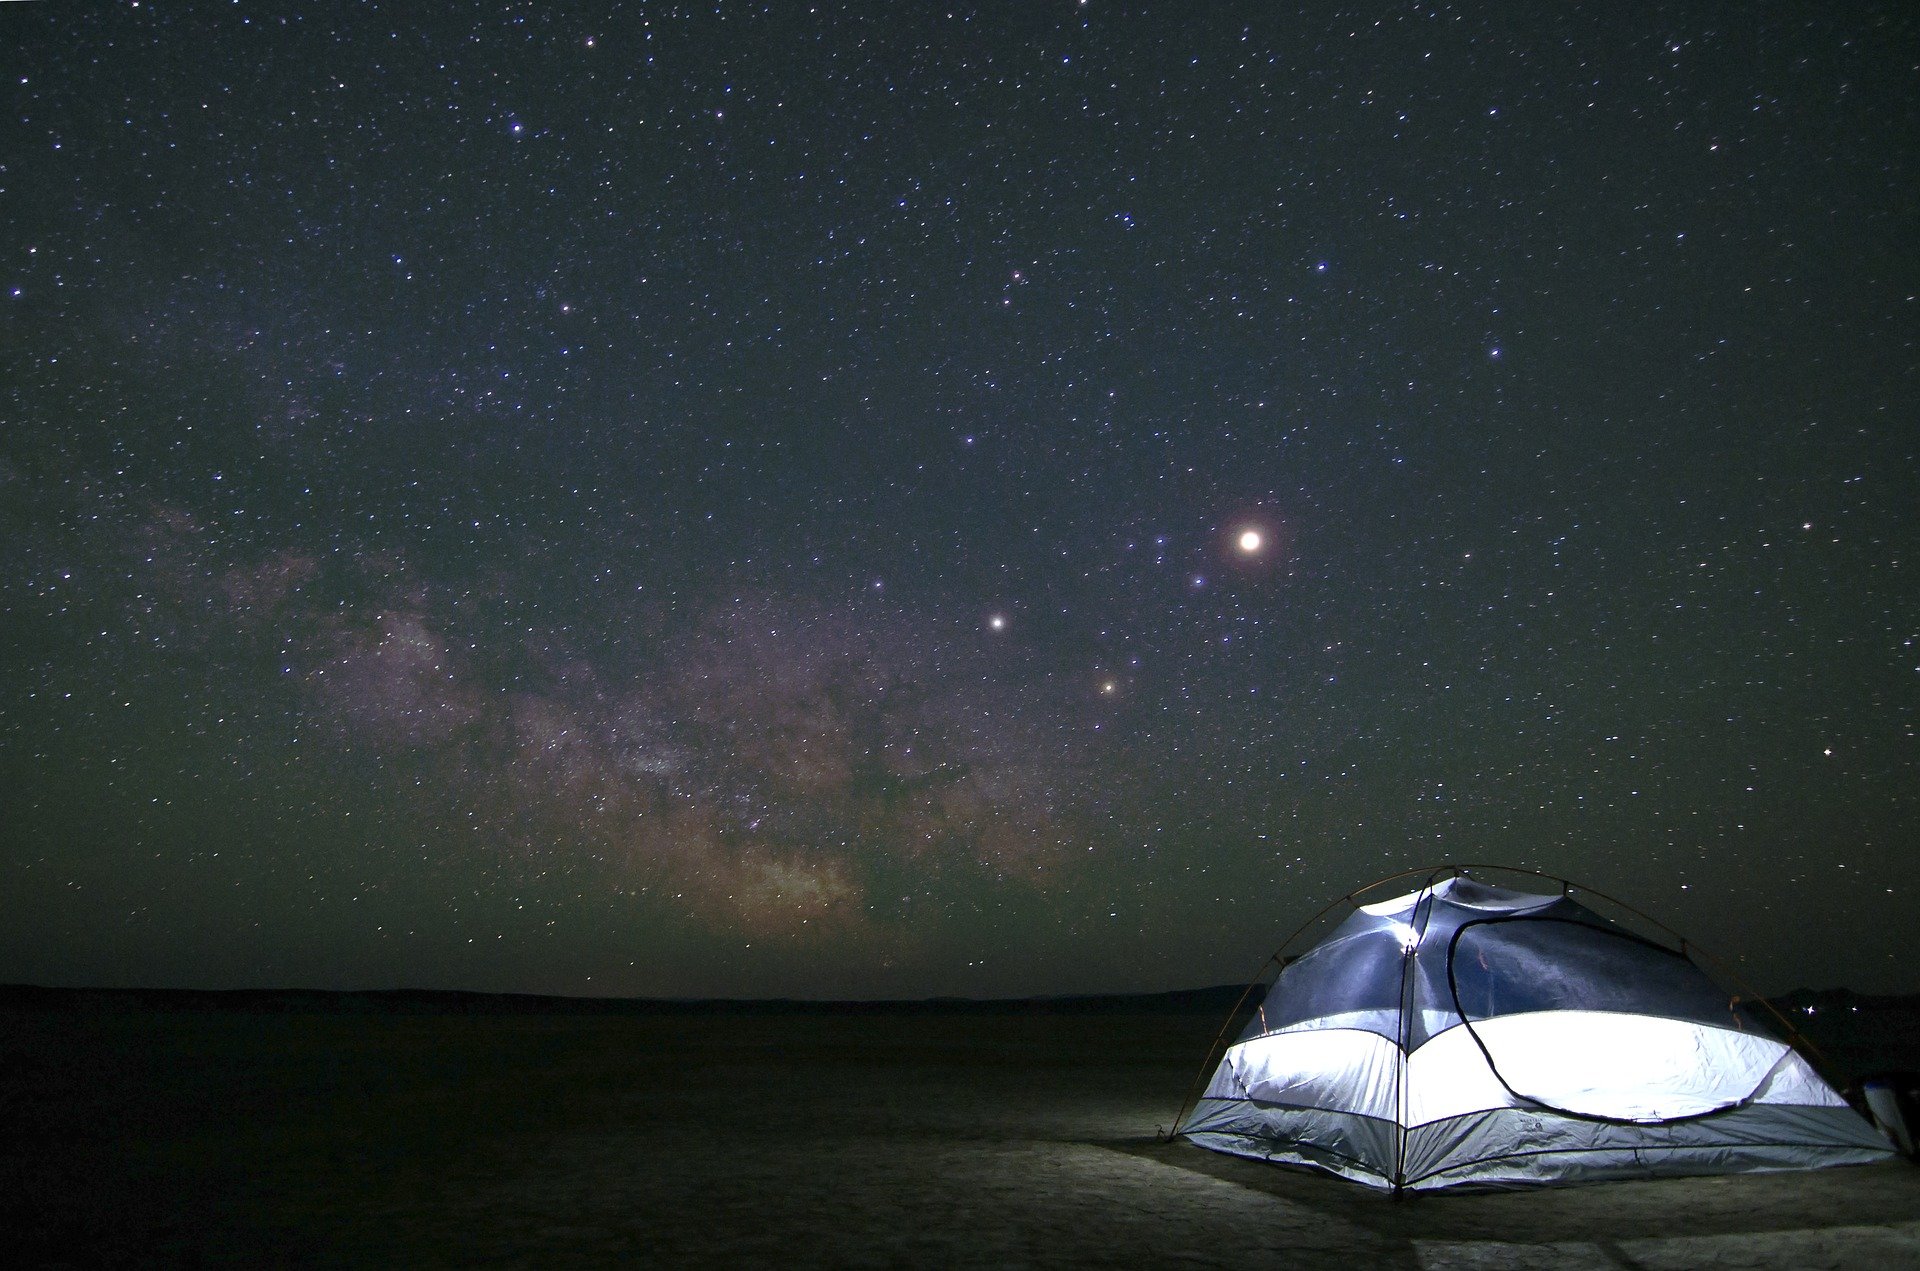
<point>1470,1035</point>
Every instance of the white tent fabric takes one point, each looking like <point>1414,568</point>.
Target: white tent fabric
<point>1469,1035</point>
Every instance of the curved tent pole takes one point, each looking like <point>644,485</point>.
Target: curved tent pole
<point>1206,1064</point>
<point>1405,1039</point>
<point>1795,1038</point>
<point>1402,1039</point>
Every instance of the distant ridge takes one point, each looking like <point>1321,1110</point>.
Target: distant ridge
<point>1833,999</point>
<point>1215,1000</point>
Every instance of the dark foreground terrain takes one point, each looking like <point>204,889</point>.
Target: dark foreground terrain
<point>427,1130</point>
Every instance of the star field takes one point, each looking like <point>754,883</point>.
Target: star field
<point>854,500</point>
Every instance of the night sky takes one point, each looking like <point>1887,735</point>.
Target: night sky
<point>753,499</point>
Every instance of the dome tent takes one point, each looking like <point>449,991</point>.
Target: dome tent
<point>1466,1034</point>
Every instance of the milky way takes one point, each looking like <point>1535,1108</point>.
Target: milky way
<point>881,500</point>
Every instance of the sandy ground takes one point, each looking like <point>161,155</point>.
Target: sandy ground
<point>907,1139</point>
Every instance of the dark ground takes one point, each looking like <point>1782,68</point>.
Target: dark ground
<point>435,1130</point>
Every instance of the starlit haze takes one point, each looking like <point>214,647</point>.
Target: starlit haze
<point>887,499</point>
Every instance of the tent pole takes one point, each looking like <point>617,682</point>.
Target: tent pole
<point>1206,1064</point>
<point>1405,1041</point>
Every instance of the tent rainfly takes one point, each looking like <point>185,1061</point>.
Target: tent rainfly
<point>1467,1035</point>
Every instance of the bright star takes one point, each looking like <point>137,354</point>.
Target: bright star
<point>1250,541</point>
<point>998,622</point>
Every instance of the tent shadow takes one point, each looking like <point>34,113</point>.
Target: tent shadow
<point>1845,1196</point>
